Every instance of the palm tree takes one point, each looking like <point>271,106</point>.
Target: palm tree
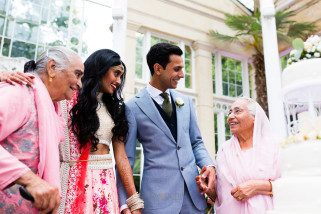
<point>248,30</point>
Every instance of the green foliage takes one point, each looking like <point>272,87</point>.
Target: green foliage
<point>248,29</point>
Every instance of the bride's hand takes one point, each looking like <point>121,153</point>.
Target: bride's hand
<point>16,77</point>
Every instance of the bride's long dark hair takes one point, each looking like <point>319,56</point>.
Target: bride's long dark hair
<point>84,118</point>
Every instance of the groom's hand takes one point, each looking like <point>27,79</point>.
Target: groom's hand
<point>206,181</point>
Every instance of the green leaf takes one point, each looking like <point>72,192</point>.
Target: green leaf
<point>298,44</point>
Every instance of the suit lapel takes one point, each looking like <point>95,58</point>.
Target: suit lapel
<point>146,104</point>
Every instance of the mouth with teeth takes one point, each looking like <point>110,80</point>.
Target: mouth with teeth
<point>233,123</point>
<point>113,86</point>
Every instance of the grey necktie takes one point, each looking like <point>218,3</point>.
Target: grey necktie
<point>167,106</point>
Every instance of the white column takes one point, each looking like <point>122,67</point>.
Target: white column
<point>130,60</point>
<point>272,68</point>
<point>119,13</point>
<point>146,47</point>
<point>218,74</point>
<point>204,89</point>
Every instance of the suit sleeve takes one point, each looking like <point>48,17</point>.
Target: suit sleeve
<point>200,153</point>
<point>130,147</point>
<point>14,113</point>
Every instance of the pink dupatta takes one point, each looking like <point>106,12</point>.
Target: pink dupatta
<point>51,127</point>
<point>231,170</point>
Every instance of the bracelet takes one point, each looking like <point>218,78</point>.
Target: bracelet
<point>271,193</point>
<point>134,202</point>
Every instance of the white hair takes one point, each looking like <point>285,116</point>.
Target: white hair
<point>61,55</point>
<point>250,103</point>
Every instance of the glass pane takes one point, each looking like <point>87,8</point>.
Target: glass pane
<point>139,71</point>
<point>232,91</point>
<point>225,75</point>
<point>9,27</point>
<point>26,31</point>
<point>187,81</point>
<point>213,72</point>
<point>225,88</point>
<point>239,78</point>
<point>22,49</point>
<point>230,64</point>
<point>6,47</point>
<point>232,78</point>
<point>1,25</point>
<point>136,169</point>
<point>187,52</point>
<point>187,67</point>
<point>139,55</point>
<point>3,7</point>
<point>238,66</point>
<point>154,40</point>
<point>25,10</point>
<point>239,91</point>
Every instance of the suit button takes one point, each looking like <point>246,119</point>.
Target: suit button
<point>182,168</point>
<point>178,147</point>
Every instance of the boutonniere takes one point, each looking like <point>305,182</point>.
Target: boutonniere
<point>179,102</point>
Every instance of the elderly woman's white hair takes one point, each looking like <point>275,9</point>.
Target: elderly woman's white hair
<point>61,55</point>
<point>250,103</point>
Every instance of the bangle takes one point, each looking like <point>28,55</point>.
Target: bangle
<point>134,202</point>
<point>271,192</point>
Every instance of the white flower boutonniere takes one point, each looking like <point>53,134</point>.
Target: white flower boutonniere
<point>179,102</point>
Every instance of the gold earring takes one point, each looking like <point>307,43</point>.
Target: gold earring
<point>50,79</point>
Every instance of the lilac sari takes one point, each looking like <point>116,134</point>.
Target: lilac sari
<point>235,167</point>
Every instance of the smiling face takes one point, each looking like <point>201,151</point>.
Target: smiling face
<point>112,79</point>
<point>169,77</point>
<point>66,81</point>
<point>239,118</point>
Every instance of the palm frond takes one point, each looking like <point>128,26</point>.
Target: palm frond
<point>283,18</point>
<point>301,29</point>
<point>216,35</point>
<point>240,23</point>
<point>282,37</point>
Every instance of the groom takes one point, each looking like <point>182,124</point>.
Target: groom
<point>164,122</point>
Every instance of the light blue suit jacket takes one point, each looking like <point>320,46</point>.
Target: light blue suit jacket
<point>167,163</point>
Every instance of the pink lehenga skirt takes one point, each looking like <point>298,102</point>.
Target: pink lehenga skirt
<point>100,187</point>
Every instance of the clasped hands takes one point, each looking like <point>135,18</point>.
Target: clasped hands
<point>206,182</point>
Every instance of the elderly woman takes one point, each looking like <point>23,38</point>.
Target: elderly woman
<point>247,163</point>
<point>30,130</point>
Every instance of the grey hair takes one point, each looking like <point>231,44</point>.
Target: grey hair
<point>61,55</point>
<point>251,104</point>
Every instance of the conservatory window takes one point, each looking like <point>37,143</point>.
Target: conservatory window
<point>231,77</point>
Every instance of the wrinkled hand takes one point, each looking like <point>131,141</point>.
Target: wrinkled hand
<point>46,196</point>
<point>206,182</point>
<point>137,211</point>
<point>126,211</point>
<point>244,191</point>
<point>17,77</point>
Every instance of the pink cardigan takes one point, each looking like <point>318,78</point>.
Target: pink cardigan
<point>14,111</point>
